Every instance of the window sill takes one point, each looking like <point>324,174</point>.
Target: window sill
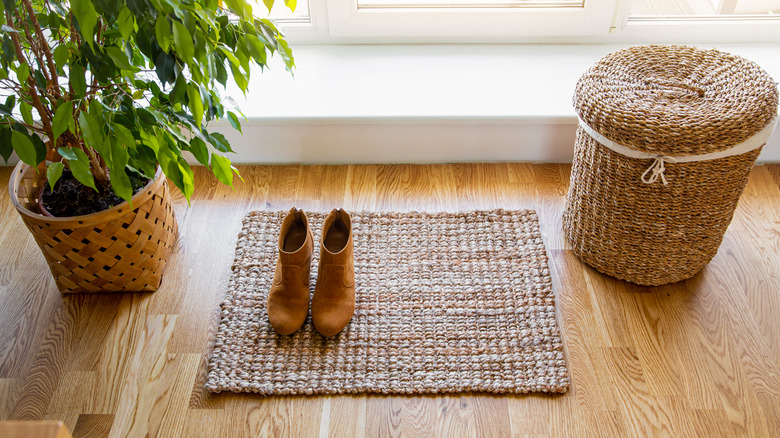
<point>426,103</point>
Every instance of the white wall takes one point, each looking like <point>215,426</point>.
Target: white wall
<point>427,103</point>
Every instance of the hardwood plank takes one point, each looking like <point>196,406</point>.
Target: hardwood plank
<point>659,360</point>
<point>121,344</point>
<point>142,382</point>
<point>29,302</point>
<point>405,416</point>
<point>529,416</point>
<point>479,414</point>
<point>74,393</point>
<point>360,188</point>
<point>590,382</point>
<point>170,406</point>
<point>343,416</point>
<point>551,183</point>
<point>639,410</point>
<point>606,297</point>
<point>280,416</point>
<point>93,426</point>
<point>50,358</point>
<point>207,423</point>
<point>102,310</point>
<point>9,391</point>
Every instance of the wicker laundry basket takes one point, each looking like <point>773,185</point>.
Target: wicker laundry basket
<point>667,138</point>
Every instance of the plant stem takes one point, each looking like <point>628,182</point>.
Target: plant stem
<point>54,79</point>
<point>35,48</point>
<point>45,119</point>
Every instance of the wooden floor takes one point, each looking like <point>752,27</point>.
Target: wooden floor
<point>698,358</point>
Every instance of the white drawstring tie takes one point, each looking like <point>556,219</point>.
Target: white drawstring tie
<point>657,169</point>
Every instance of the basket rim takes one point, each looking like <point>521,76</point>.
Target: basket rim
<point>676,99</point>
<point>112,213</point>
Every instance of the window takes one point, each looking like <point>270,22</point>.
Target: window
<point>711,9</point>
<point>560,21</point>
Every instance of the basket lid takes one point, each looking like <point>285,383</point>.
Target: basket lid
<point>676,100</point>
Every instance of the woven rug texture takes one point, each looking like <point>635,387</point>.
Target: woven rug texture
<point>445,302</point>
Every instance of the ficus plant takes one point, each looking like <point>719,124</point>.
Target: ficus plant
<point>113,88</point>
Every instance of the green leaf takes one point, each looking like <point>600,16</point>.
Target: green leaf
<point>146,161</point>
<point>269,4</point>
<point>81,172</point>
<point>220,142</point>
<point>9,54</point>
<point>165,67</point>
<point>149,139</point>
<point>195,104</point>
<point>188,179</point>
<point>62,117</point>
<point>162,31</point>
<point>222,169</point>
<point>291,4</point>
<point>183,41</point>
<point>40,148</point>
<point>169,164</point>
<point>178,91</point>
<point>199,150</point>
<point>91,131</point>
<point>22,73</point>
<point>26,110</point>
<point>229,55</point>
<point>53,173</point>
<point>78,80</point>
<point>126,22</point>
<point>124,137</point>
<point>241,8</point>
<point>120,182</point>
<point>67,153</point>
<point>24,148</point>
<point>287,56</point>
<point>234,121</point>
<point>240,79</point>
<point>85,14</point>
<point>146,116</point>
<point>6,147</point>
<point>119,57</point>
<point>257,49</point>
<point>10,102</point>
<point>61,55</point>
<point>79,165</point>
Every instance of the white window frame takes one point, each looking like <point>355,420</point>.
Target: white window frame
<point>345,19</point>
<point>600,21</point>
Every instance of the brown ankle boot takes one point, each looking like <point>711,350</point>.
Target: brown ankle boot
<point>333,302</point>
<point>288,300</point>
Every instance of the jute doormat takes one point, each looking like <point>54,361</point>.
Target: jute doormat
<point>446,302</point>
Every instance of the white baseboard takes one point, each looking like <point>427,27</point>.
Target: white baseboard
<point>425,141</point>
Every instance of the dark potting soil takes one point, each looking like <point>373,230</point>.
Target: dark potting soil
<point>71,198</point>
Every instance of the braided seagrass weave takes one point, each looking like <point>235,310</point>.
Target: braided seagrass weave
<point>672,101</point>
<point>445,302</point>
<point>119,249</point>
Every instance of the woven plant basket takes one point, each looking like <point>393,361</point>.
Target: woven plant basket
<point>116,250</point>
<point>656,212</point>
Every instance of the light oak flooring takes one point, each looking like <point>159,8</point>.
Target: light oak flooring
<point>698,358</point>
